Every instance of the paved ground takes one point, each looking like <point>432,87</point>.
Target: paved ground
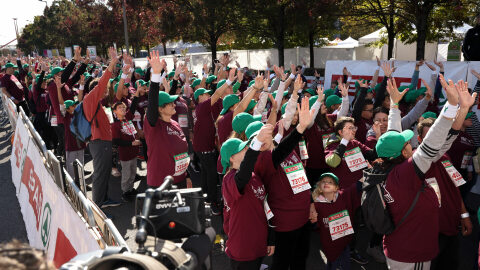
<point>123,219</point>
<point>12,225</point>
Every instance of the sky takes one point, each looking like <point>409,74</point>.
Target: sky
<point>23,10</point>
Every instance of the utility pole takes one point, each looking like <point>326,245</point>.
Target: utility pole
<point>125,25</point>
<point>16,26</point>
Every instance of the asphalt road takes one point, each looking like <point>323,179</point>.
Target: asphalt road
<point>12,225</point>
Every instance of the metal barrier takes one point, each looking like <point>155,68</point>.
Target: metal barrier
<point>80,175</point>
<point>87,209</point>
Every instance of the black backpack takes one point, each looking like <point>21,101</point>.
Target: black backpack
<point>374,207</point>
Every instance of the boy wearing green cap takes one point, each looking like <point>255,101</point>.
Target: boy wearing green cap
<point>74,149</point>
<point>245,202</point>
<point>13,89</point>
<point>415,241</point>
<point>334,207</point>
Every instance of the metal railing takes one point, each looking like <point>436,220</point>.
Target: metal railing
<point>90,212</point>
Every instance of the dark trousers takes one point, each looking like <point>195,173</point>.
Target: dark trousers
<point>40,122</point>
<point>246,265</point>
<point>60,132</point>
<point>208,174</point>
<point>291,249</point>
<point>101,152</point>
<point>342,262</point>
<point>447,257</point>
<point>468,258</point>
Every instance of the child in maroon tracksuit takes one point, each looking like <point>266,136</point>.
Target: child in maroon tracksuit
<point>335,208</point>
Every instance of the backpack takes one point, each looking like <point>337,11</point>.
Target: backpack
<point>374,207</point>
<point>80,126</point>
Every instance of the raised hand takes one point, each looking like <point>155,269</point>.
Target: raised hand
<point>112,53</point>
<point>82,79</point>
<point>126,69</point>
<point>77,55</point>
<point>343,89</point>
<point>299,84</point>
<point>320,94</point>
<point>387,69</point>
<point>362,83</point>
<point>452,93</point>
<point>465,99</point>
<point>265,133</point>
<point>395,95</point>
<point>239,75</point>
<point>378,61</point>
<point>155,62</point>
<point>274,103</point>
<point>58,82</point>
<point>419,63</point>
<point>438,63</point>
<point>305,116</point>
<point>258,82</point>
<point>293,69</point>
<point>429,92</point>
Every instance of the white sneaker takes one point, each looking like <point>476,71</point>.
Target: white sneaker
<point>116,172</point>
<point>377,254</point>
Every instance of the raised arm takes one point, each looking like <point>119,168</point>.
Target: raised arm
<point>157,78</point>
<point>220,91</point>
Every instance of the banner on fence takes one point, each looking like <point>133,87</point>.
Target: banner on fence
<point>68,52</point>
<point>51,222</point>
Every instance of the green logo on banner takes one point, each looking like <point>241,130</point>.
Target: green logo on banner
<point>46,222</point>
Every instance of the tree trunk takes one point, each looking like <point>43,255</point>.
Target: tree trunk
<point>391,42</point>
<point>312,54</point>
<point>213,47</point>
<point>280,31</point>
<point>164,44</point>
<point>421,34</point>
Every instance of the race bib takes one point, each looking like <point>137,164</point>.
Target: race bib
<point>266,208</point>
<point>453,173</point>
<point>432,182</point>
<point>297,178</point>
<point>181,163</point>
<point>340,225</point>
<point>53,121</point>
<point>137,117</point>
<point>325,139</point>
<point>355,160</point>
<point>183,120</point>
<point>303,150</point>
<point>466,159</point>
<point>128,128</point>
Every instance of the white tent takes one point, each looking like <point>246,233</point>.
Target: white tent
<point>372,37</point>
<point>348,43</point>
<point>180,45</point>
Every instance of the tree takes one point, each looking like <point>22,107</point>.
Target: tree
<point>429,20</point>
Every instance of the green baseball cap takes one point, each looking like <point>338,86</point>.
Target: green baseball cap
<point>49,76</point>
<point>15,73</point>
<point>201,91</point>
<point>220,83</point>
<point>236,86</point>
<point>241,121</point>
<point>285,93</point>
<point>10,65</point>
<point>402,88</point>
<point>142,82</point>
<point>68,103</point>
<point>468,115</point>
<point>412,95</point>
<point>115,87</point>
<point>391,143</point>
<point>312,100</point>
<point>253,129</point>
<point>328,174</point>
<point>140,71</point>
<point>328,92</point>
<point>210,79</point>
<point>229,148</point>
<point>56,70</point>
<point>310,91</point>
<point>251,105</point>
<point>171,74</point>
<point>429,115</point>
<point>165,98</point>
<point>228,102</point>
<point>196,82</point>
<point>251,83</point>
<point>25,65</point>
<point>333,100</point>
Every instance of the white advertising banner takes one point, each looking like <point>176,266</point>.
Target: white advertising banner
<point>51,222</point>
<point>403,73</point>
<point>21,142</point>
